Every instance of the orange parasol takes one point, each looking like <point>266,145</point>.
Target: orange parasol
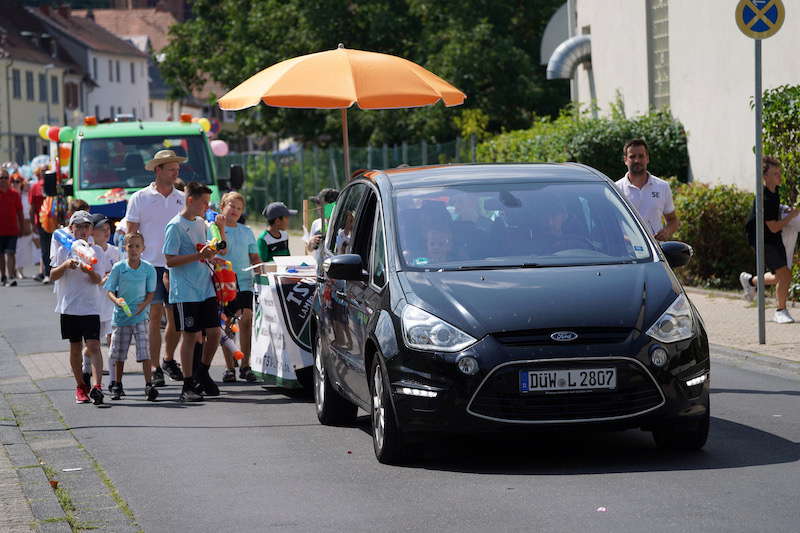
<point>337,79</point>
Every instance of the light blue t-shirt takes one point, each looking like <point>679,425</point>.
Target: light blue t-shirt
<point>241,243</point>
<point>190,282</point>
<point>133,284</point>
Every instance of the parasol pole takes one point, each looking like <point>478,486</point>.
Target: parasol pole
<point>346,146</point>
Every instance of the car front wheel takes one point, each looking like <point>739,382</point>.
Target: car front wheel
<point>683,436</point>
<point>387,438</point>
<point>332,409</point>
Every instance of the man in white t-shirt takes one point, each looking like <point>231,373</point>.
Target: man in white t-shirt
<point>149,211</point>
<point>650,195</point>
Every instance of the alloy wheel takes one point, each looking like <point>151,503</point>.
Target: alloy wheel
<point>378,410</point>
<point>319,378</point>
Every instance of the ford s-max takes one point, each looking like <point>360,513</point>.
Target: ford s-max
<point>469,298</point>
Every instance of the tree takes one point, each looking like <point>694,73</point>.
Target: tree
<point>486,48</point>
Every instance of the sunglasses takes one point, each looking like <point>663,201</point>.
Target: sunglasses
<point>3,177</point>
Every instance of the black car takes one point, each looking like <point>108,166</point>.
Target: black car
<point>490,297</point>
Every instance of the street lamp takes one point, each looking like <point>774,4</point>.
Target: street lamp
<point>46,84</point>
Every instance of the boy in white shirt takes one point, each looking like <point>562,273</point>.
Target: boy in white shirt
<point>77,303</point>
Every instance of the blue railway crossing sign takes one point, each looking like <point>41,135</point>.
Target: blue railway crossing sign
<point>759,19</point>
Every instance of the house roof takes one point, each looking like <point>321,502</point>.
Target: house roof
<point>87,32</point>
<point>14,22</point>
<point>152,22</point>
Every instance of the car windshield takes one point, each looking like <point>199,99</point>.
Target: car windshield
<point>119,161</point>
<point>516,225</point>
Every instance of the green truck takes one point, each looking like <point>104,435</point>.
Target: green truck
<point>107,161</point>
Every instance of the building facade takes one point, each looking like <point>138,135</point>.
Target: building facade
<point>690,57</point>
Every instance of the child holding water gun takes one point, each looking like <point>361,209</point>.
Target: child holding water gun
<point>130,287</point>
<point>77,303</point>
<point>241,251</point>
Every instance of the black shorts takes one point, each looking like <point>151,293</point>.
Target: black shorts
<point>161,294</point>
<point>196,316</point>
<point>8,244</point>
<point>244,300</point>
<point>80,327</point>
<point>774,256</point>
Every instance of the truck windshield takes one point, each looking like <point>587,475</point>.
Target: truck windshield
<point>119,161</point>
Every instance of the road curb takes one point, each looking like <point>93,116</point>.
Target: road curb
<point>736,355</point>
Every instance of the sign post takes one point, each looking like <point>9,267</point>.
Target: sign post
<point>759,19</point>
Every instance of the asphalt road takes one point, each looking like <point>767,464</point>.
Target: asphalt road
<point>257,459</point>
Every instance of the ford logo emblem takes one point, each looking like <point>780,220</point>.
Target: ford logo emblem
<point>564,336</point>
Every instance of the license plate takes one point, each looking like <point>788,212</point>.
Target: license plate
<point>567,380</point>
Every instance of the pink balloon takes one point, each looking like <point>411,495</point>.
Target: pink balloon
<point>219,147</point>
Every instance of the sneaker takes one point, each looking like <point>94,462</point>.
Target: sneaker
<point>190,396</point>
<point>173,370</point>
<point>12,283</point>
<point>81,395</point>
<point>749,290</point>
<point>150,392</point>
<point>96,394</point>
<point>158,378</point>
<point>229,376</point>
<point>46,280</point>
<point>246,373</point>
<point>38,277</point>
<point>4,281</point>
<point>116,390</point>
<point>782,316</point>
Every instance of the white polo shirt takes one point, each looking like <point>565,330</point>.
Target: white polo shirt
<point>153,211</point>
<point>653,200</point>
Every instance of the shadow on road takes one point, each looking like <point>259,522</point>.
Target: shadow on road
<point>730,445</point>
<point>755,391</point>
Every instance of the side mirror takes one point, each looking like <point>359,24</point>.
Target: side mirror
<point>346,267</point>
<point>50,184</point>
<point>236,177</point>
<point>677,253</point>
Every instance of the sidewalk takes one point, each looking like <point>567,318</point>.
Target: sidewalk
<point>732,322</point>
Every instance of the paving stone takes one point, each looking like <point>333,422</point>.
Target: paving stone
<point>54,527</point>
<point>21,455</point>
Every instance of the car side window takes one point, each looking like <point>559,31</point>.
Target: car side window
<point>341,236</point>
<point>378,270</point>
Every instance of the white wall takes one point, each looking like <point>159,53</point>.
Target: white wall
<point>121,94</point>
<point>711,75</point>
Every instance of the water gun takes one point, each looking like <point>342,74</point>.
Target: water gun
<point>124,305</point>
<point>225,282</point>
<point>228,341</point>
<point>223,319</point>
<point>216,243</point>
<point>78,248</point>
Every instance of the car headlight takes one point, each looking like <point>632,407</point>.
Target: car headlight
<point>423,331</point>
<point>676,323</point>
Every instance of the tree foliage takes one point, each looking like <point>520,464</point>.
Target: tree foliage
<point>781,135</point>
<point>486,48</point>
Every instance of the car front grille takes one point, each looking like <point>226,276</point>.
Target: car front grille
<point>499,397</point>
<point>541,337</point>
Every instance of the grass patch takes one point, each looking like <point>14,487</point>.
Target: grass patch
<point>121,503</point>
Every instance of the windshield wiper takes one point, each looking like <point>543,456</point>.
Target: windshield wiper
<point>497,267</point>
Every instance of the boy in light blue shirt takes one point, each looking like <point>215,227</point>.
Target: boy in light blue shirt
<point>131,285</point>
<point>191,291</point>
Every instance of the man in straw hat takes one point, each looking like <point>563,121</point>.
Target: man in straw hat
<point>149,211</point>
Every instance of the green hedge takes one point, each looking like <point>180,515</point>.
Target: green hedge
<point>712,222</point>
<point>595,142</point>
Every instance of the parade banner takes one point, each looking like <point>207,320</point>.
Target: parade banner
<point>281,340</point>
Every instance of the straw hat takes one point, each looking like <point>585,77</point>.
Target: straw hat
<point>163,157</point>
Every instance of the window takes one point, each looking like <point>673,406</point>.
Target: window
<point>19,147</point>
<point>151,109</point>
<point>119,110</point>
<point>110,70</point>
<point>111,113</point>
<point>378,270</point>
<point>33,146</point>
<point>341,235</point>
<point>96,74</point>
<point>71,98</point>
<point>29,85</point>
<point>54,90</point>
<point>17,83</point>
<point>133,112</point>
<point>43,89</point>
<point>117,65</point>
<point>133,73</point>
<point>97,112</point>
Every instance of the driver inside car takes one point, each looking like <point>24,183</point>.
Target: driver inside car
<point>96,169</point>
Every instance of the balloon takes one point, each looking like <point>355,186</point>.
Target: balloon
<point>66,134</point>
<point>220,148</point>
<point>64,153</point>
<point>43,131</point>
<point>52,133</point>
<point>204,123</point>
<point>167,143</point>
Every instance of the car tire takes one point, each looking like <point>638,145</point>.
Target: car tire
<point>387,439</point>
<point>332,408</point>
<point>684,437</point>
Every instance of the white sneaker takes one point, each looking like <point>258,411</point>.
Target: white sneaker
<point>782,316</point>
<point>749,290</point>
<point>46,280</point>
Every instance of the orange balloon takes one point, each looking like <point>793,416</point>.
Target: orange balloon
<point>64,153</point>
